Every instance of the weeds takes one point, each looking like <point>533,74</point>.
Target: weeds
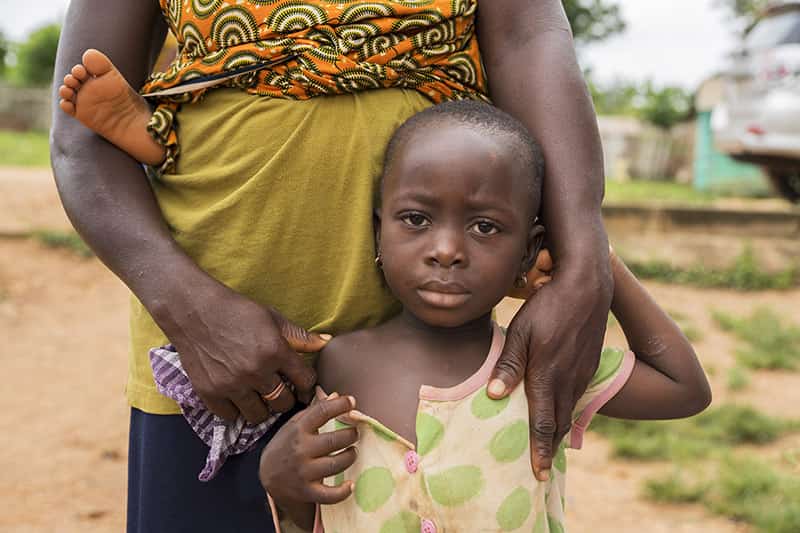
<point>738,379</point>
<point>769,343</point>
<point>749,490</point>
<point>743,489</point>
<point>696,437</point>
<point>24,148</point>
<point>674,489</point>
<point>744,274</point>
<point>62,239</point>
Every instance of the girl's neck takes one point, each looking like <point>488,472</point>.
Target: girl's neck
<point>474,331</point>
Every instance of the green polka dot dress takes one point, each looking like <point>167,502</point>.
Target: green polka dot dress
<point>470,470</point>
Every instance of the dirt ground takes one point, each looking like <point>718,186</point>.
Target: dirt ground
<point>64,416</point>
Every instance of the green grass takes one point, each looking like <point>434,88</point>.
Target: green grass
<point>24,148</point>
<point>768,342</point>
<point>660,191</point>
<point>673,488</point>
<point>743,489</point>
<point>697,437</point>
<point>744,274</point>
<point>750,491</point>
<point>738,379</point>
<point>68,240</point>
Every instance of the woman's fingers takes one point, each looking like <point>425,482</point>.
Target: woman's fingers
<point>252,407</point>
<point>278,396</point>
<point>319,413</point>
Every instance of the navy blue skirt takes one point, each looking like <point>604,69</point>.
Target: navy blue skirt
<point>164,494</point>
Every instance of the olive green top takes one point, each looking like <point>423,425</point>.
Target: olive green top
<point>274,198</point>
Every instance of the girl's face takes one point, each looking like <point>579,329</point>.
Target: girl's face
<point>455,226</point>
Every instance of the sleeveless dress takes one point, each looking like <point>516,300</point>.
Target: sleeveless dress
<point>275,104</point>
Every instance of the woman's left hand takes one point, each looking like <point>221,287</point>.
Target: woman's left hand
<point>554,344</point>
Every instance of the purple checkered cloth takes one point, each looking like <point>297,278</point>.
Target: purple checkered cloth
<point>224,438</point>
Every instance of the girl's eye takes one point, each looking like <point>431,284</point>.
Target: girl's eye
<point>485,228</point>
<point>415,219</point>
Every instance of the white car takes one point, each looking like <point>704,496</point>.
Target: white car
<point>758,120</point>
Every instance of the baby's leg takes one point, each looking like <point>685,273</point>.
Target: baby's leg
<point>96,94</point>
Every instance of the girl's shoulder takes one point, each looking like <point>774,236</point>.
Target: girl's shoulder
<point>343,358</point>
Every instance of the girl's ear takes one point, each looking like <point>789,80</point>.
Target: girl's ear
<point>376,226</point>
<point>535,241</point>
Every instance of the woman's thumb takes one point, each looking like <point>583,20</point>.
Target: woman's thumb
<point>299,339</point>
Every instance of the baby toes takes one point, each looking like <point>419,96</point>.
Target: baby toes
<point>66,93</point>
<point>67,106</point>
<point>79,71</point>
<point>72,82</point>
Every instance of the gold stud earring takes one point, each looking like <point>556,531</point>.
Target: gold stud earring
<point>521,282</point>
<point>379,259</point>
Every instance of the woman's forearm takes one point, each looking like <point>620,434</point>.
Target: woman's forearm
<point>104,191</point>
<point>533,74</point>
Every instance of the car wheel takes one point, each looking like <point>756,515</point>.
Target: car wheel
<point>786,183</point>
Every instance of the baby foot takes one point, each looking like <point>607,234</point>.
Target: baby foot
<point>96,93</point>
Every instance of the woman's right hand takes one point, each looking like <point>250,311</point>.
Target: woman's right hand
<point>298,457</point>
<point>235,351</point>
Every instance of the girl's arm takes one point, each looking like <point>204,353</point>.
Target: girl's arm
<point>667,380</point>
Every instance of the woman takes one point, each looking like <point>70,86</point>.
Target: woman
<point>268,205</point>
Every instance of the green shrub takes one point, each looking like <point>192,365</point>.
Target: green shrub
<point>673,488</point>
<point>699,436</point>
<point>68,240</point>
<point>769,344</point>
<point>744,274</point>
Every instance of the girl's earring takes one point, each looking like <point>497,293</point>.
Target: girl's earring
<point>521,282</point>
<point>379,259</point>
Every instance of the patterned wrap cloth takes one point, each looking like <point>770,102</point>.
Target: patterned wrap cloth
<point>299,49</point>
<point>223,438</point>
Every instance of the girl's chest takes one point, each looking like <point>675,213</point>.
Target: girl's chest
<point>468,471</point>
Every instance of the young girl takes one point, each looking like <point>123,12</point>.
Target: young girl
<point>427,450</point>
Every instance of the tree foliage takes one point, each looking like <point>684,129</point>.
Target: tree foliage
<point>660,106</point>
<point>36,57</point>
<point>746,11</point>
<point>593,20</point>
<point>3,54</point>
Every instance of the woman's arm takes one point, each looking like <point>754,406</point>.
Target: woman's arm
<point>533,74</point>
<point>667,380</point>
<point>230,346</point>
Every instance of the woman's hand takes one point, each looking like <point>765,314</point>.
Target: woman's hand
<point>235,351</point>
<point>554,344</point>
<point>298,457</point>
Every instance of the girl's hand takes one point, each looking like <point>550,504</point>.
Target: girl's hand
<point>538,276</point>
<point>298,457</point>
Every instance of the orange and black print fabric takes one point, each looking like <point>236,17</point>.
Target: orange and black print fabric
<point>298,49</point>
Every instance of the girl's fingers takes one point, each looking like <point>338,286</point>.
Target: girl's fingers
<point>319,413</point>
<point>332,441</point>
<point>330,495</point>
<point>330,465</point>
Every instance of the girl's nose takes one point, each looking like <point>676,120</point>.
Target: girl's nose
<point>447,249</point>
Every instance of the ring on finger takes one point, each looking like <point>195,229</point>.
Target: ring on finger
<point>273,395</point>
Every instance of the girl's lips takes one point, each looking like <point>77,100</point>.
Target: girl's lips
<point>437,298</point>
<point>446,287</point>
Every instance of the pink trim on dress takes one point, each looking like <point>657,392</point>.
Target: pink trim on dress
<point>472,383</point>
<point>274,510</point>
<point>318,528</point>
<point>580,425</point>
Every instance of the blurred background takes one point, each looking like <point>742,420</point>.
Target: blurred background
<point>698,105</point>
